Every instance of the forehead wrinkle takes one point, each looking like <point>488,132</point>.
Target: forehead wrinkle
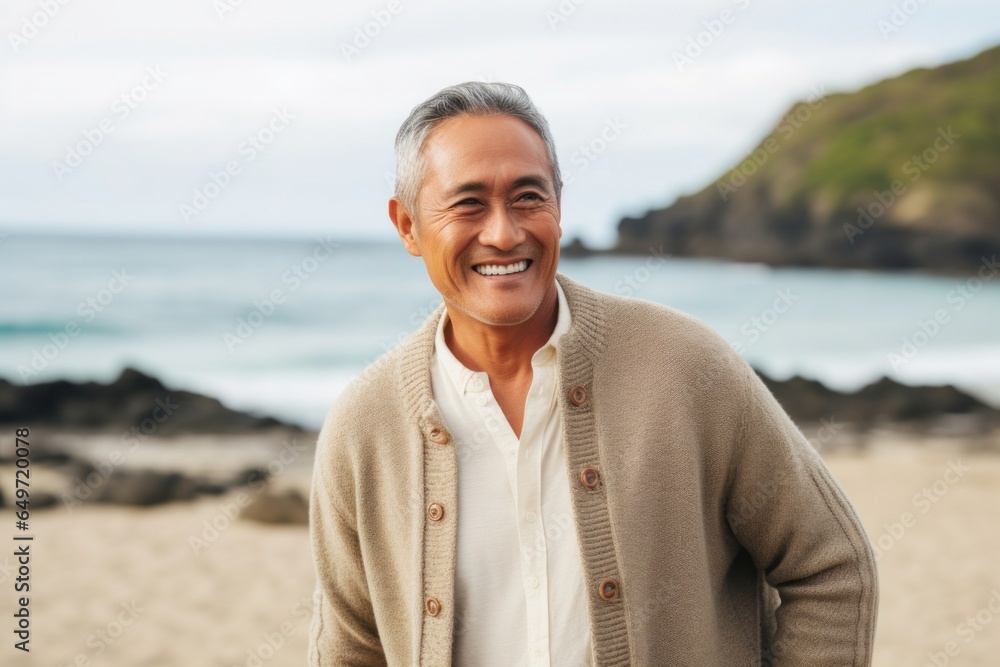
<point>449,148</point>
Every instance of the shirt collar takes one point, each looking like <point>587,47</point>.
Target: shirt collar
<point>466,380</point>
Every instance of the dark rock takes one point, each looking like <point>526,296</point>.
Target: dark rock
<point>207,488</point>
<point>50,457</point>
<point>134,403</point>
<point>285,507</point>
<point>43,500</point>
<point>882,401</point>
<point>145,487</point>
<point>576,248</point>
<point>76,470</point>
<point>149,487</point>
<point>249,477</point>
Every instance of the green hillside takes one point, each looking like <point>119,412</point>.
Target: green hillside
<point>902,173</point>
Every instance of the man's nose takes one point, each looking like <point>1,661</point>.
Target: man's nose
<point>501,229</point>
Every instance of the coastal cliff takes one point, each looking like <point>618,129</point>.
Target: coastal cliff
<point>902,174</point>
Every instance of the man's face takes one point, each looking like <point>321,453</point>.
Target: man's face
<point>487,198</point>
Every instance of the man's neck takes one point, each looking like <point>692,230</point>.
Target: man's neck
<point>503,352</point>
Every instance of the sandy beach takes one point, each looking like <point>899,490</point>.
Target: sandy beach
<point>183,584</point>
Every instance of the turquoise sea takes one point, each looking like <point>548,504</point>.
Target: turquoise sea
<point>280,326</point>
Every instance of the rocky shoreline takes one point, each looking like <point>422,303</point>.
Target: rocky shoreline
<point>136,442</point>
<point>813,192</point>
<point>138,407</point>
<point>135,403</point>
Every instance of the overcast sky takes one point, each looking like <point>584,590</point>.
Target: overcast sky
<point>117,115</point>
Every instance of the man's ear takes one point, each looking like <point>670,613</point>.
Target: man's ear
<point>405,226</point>
<point>559,212</point>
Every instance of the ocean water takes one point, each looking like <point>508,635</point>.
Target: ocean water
<point>279,327</point>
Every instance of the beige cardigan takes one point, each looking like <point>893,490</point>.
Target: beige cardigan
<point>697,503</point>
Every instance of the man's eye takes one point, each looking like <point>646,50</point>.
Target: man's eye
<point>467,202</point>
<point>531,196</point>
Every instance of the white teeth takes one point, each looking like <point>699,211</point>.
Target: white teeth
<point>500,270</point>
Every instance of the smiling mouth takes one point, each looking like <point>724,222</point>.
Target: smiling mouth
<point>502,269</point>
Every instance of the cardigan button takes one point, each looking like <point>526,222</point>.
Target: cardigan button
<point>438,435</point>
<point>590,478</point>
<point>578,395</point>
<point>608,589</point>
<point>433,606</point>
<point>435,512</point>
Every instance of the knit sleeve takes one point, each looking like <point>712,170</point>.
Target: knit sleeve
<point>343,629</point>
<point>802,533</point>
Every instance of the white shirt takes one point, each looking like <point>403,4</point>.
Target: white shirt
<point>519,583</point>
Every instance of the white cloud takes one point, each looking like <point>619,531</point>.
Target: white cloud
<point>225,76</point>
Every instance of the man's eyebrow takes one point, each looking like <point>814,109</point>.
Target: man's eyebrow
<point>539,182</point>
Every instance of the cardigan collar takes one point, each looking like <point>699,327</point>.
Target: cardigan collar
<point>580,346</point>
<point>466,380</point>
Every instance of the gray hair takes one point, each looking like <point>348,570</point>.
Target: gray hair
<point>473,98</point>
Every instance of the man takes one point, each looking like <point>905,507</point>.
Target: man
<point>545,474</point>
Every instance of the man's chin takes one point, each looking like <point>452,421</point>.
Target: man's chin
<point>501,315</point>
